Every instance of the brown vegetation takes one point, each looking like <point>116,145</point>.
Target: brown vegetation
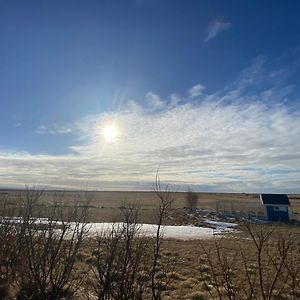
<point>103,206</point>
<point>191,200</point>
<point>45,253</point>
<point>41,253</point>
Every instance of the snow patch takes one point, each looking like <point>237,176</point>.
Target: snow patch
<point>186,232</point>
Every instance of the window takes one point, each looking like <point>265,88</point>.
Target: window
<point>280,208</point>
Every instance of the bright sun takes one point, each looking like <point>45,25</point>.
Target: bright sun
<point>110,133</point>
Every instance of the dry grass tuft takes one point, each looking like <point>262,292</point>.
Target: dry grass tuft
<point>197,296</point>
<point>189,283</point>
<point>175,276</point>
<point>204,268</point>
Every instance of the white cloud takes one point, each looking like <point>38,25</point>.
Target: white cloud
<point>53,129</point>
<point>196,90</point>
<point>215,27</point>
<point>216,145</point>
<point>154,101</point>
<point>133,106</point>
<point>174,100</point>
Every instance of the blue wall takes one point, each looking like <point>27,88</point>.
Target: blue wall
<point>277,215</point>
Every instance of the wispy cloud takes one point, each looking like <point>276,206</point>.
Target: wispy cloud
<point>215,27</point>
<point>175,100</point>
<point>154,101</point>
<point>233,140</point>
<point>228,147</point>
<point>53,129</point>
<point>196,90</point>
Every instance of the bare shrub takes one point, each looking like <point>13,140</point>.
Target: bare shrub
<point>7,268</point>
<point>165,198</point>
<point>128,265</point>
<point>121,260</point>
<point>271,252</point>
<point>264,265</point>
<point>47,248</point>
<point>8,245</point>
<point>191,200</point>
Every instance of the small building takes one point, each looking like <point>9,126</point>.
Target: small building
<point>277,206</point>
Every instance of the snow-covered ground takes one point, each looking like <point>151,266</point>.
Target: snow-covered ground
<point>221,224</point>
<point>221,227</point>
<point>186,232</point>
<point>169,232</point>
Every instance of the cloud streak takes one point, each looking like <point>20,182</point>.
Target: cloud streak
<point>53,129</point>
<point>196,90</point>
<point>215,27</point>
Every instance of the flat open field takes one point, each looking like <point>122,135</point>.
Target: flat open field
<point>105,206</point>
<point>186,269</point>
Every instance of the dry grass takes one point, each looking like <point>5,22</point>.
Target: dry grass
<point>190,276</point>
<point>104,206</point>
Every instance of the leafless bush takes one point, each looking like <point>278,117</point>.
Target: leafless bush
<point>9,258</point>
<point>128,265</point>
<point>51,246</point>
<point>39,247</point>
<point>121,260</point>
<point>292,265</point>
<point>191,200</point>
<point>265,265</point>
<point>165,197</point>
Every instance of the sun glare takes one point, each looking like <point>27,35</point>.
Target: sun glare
<point>110,133</point>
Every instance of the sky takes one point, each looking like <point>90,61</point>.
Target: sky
<point>103,94</point>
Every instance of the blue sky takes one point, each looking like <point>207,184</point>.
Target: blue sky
<point>208,91</point>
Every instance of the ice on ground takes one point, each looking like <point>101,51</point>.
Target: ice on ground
<point>169,232</point>
<point>221,227</point>
<point>221,224</point>
<point>185,232</point>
